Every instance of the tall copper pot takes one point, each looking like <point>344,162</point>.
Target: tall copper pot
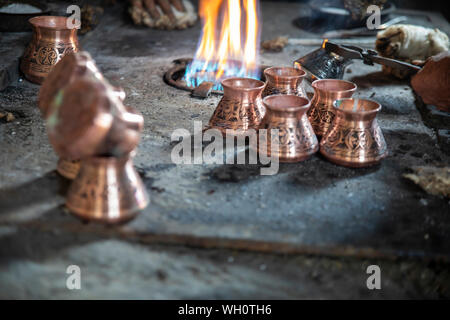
<point>284,80</point>
<point>52,39</point>
<point>355,138</point>
<point>326,91</point>
<point>241,107</point>
<point>296,138</point>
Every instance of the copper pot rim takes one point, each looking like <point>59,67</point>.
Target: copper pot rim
<point>376,107</point>
<point>352,85</point>
<point>290,108</point>
<point>60,22</point>
<point>230,83</point>
<point>272,72</point>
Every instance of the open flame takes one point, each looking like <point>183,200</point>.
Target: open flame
<point>229,43</point>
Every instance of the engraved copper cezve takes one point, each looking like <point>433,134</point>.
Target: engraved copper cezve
<point>326,91</point>
<point>296,138</point>
<point>52,39</point>
<point>355,138</point>
<point>108,190</point>
<point>241,107</point>
<point>284,80</point>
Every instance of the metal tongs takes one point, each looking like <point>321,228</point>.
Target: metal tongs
<point>369,57</point>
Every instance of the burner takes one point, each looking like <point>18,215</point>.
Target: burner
<point>175,78</point>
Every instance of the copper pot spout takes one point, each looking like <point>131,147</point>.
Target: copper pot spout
<point>241,107</point>
<point>355,138</point>
<point>287,113</point>
<point>284,80</point>
<point>52,39</point>
<point>107,190</point>
<point>326,91</point>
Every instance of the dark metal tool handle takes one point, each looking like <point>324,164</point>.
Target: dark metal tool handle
<point>369,57</point>
<point>395,64</point>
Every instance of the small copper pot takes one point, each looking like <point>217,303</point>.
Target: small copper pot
<point>108,190</point>
<point>52,39</point>
<point>284,80</point>
<point>241,107</point>
<point>326,91</point>
<point>355,138</point>
<point>287,113</point>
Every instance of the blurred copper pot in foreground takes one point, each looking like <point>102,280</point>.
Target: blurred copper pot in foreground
<point>284,80</point>
<point>52,39</point>
<point>108,190</point>
<point>287,113</point>
<point>326,91</point>
<point>80,119</point>
<point>355,138</point>
<point>71,67</point>
<point>241,107</point>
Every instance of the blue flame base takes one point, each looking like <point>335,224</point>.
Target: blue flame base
<point>199,71</point>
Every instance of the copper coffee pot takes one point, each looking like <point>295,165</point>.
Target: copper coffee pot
<point>88,121</point>
<point>355,138</point>
<point>326,91</point>
<point>284,80</point>
<point>108,190</point>
<point>70,68</point>
<point>287,113</point>
<point>241,107</point>
<point>53,38</point>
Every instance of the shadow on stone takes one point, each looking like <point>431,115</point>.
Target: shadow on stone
<point>36,191</point>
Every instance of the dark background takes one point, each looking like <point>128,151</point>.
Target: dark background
<point>429,5</point>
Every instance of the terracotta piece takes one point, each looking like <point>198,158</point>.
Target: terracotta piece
<point>432,83</point>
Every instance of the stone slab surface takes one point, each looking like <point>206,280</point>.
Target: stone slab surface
<point>310,207</point>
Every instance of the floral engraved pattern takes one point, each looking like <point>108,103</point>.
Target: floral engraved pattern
<point>233,114</point>
<point>271,90</point>
<point>296,137</point>
<point>91,188</point>
<point>354,143</point>
<point>321,116</point>
<point>40,56</point>
<point>47,56</point>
